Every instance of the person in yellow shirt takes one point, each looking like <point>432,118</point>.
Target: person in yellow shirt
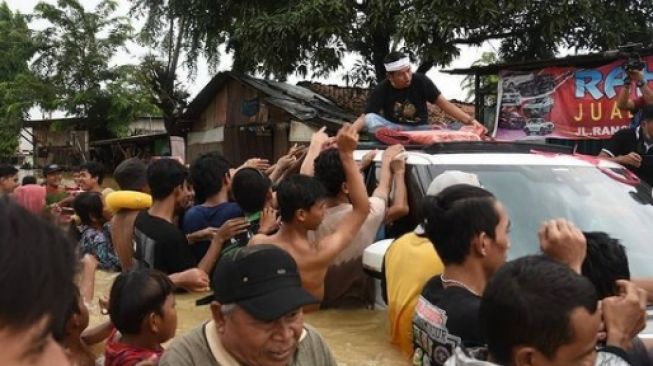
<point>409,263</point>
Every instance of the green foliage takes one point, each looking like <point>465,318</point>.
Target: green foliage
<point>73,59</point>
<point>278,38</point>
<point>175,29</point>
<point>16,49</point>
<point>488,83</point>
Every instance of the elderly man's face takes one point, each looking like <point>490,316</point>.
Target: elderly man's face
<point>257,343</point>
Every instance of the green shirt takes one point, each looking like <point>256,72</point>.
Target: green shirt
<point>194,349</point>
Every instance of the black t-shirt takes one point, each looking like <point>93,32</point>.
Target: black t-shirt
<point>161,245</point>
<point>445,318</point>
<point>632,140</point>
<point>405,106</point>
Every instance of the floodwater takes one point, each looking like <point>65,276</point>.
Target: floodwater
<point>356,337</point>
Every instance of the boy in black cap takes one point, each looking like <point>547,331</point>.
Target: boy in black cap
<point>633,147</point>
<point>56,191</point>
<point>257,316</point>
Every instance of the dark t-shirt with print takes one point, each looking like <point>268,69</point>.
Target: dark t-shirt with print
<point>200,217</point>
<point>161,245</point>
<point>404,106</point>
<point>241,240</point>
<point>444,318</point>
<point>632,140</point>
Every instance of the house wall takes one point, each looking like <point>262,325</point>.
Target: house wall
<point>241,125</point>
<point>215,115</point>
<point>146,126</point>
<point>64,147</point>
<point>207,133</point>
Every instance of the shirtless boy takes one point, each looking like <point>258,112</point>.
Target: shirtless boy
<point>302,203</point>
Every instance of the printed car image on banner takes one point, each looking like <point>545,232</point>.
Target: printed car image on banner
<point>563,102</point>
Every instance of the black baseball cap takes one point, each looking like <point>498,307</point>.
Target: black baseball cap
<point>263,280</point>
<point>52,168</point>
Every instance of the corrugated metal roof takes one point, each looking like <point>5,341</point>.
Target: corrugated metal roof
<point>589,60</point>
<point>302,103</point>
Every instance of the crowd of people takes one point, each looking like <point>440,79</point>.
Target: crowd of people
<point>272,242</point>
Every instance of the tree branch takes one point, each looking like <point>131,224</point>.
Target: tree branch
<point>478,39</point>
<point>425,66</point>
<point>177,47</point>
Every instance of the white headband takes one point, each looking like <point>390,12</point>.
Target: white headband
<point>397,65</point>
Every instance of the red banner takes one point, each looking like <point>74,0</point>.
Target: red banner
<point>563,102</point>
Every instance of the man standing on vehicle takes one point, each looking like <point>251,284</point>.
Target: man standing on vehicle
<point>399,101</point>
<point>635,105</point>
<point>633,147</point>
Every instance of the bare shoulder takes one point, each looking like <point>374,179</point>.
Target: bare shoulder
<point>125,216</point>
<point>259,239</point>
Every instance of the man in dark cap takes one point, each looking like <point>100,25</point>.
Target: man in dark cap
<point>54,190</point>
<point>257,316</point>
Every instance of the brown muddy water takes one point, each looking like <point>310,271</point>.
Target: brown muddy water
<point>356,337</point>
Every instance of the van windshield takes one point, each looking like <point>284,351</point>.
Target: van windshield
<point>590,198</point>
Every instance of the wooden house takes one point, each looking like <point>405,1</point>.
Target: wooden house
<point>243,117</point>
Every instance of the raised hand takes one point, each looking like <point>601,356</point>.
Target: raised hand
<point>257,163</point>
<point>268,223</point>
<point>391,153</point>
<point>347,139</point>
<point>624,316</point>
<point>560,239</point>
<point>231,228</point>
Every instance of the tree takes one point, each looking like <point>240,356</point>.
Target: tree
<point>278,38</point>
<point>15,51</point>
<point>488,83</point>
<point>73,58</point>
<point>176,30</point>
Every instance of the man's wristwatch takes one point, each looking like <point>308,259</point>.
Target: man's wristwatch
<point>640,83</point>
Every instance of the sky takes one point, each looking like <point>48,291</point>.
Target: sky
<point>449,85</point>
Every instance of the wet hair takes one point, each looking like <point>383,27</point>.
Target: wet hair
<point>136,294</point>
<point>7,170</point>
<point>59,332</point>
<point>529,302</point>
<point>207,173</point>
<point>250,188</point>
<point>605,263</point>
<point>329,171</point>
<point>95,169</point>
<point>455,216</point>
<point>28,179</point>
<point>164,175</point>
<point>298,192</point>
<point>38,265</point>
<point>88,206</point>
<point>131,175</point>
<point>393,57</point>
